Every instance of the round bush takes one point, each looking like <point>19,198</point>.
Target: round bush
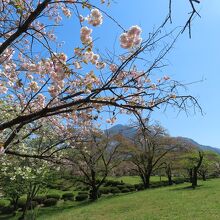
<point>131,187</point>
<point>121,187</point>
<point>21,203</point>
<point>34,204</point>
<point>81,197</point>
<point>7,210</point>
<point>125,190</point>
<point>83,192</point>
<point>68,196</point>
<point>50,202</point>
<point>128,185</point>
<point>3,204</point>
<point>115,190</point>
<point>113,183</point>
<point>53,196</point>
<point>40,199</point>
<point>105,190</point>
<point>179,181</point>
<point>139,186</point>
<point>98,193</point>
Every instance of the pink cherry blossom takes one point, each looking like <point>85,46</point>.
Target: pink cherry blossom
<point>132,38</point>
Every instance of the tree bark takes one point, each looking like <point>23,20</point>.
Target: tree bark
<point>94,195</point>
<point>195,171</point>
<point>169,175</point>
<point>146,181</point>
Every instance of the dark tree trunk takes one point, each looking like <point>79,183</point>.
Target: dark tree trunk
<point>94,193</point>
<point>15,204</point>
<point>191,175</point>
<point>24,211</point>
<point>146,181</point>
<point>195,171</point>
<point>203,177</point>
<point>194,178</point>
<point>170,181</point>
<point>169,175</point>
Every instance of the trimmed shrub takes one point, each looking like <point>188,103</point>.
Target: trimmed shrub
<point>68,196</point>
<point>81,197</point>
<point>40,199</point>
<point>7,210</point>
<point>105,190</point>
<point>34,204</point>
<point>83,192</point>
<point>179,181</point>
<point>139,186</point>
<point>113,183</point>
<point>159,184</point>
<point>53,196</point>
<point>115,190</point>
<point>125,190</point>
<point>50,202</point>
<point>21,203</point>
<point>98,193</point>
<point>3,204</point>
<point>121,187</point>
<point>130,187</point>
<point>83,188</point>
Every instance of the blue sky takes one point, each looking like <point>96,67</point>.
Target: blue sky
<point>190,60</point>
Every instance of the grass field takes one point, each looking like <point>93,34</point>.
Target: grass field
<point>136,179</point>
<point>172,203</point>
<point>175,202</point>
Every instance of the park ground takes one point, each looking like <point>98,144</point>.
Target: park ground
<point>178,202</point>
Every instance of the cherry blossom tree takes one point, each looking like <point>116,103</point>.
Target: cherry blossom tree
<point>39,82</point>
<point>94,158</point>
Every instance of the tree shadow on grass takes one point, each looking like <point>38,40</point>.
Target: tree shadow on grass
<point>186,188</point>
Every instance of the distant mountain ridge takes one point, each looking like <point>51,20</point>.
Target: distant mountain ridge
<point>129,132</point>
<point>200,146</point>
<point>124,130</point>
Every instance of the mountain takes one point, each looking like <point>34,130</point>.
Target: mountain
<point>202,147</point>
<point>126,131</point>
<point>129,132</point>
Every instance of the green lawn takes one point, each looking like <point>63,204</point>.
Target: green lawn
<point>176,202</point>
<point>172,203</point>
<point>136,179</point>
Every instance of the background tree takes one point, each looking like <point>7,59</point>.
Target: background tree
<point>207,167</point>
<point>193,161</point>
<point>149,148</point>
<point>94,157</point>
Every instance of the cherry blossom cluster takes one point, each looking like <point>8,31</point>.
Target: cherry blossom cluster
<point>85,33</point>
<point>131,38</point>
<point>95,18</point>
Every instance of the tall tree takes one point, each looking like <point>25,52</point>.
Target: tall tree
<point>149,148</point>
<point>39,82</point>
<point>94,157</point>
<point>193,162</point>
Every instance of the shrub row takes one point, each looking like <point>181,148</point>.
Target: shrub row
<point>113,183</point>
<point>118,189</point>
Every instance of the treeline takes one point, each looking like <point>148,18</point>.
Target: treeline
<point>84,163</point>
